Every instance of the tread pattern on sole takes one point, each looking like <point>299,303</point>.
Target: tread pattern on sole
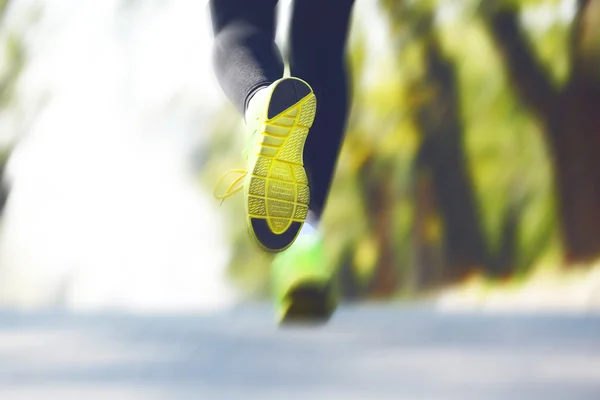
<point>278,185</point>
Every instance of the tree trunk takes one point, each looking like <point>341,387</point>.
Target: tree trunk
<point>571,118</point>
<point>380,205</point>
<point>575,143</point>
<point>349,281</point>
<point>428,262</point>
<point>442,153</point>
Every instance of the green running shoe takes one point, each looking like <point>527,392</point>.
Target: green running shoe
<point>303,283</point>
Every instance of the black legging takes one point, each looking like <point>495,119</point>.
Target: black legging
<point>246,59</point>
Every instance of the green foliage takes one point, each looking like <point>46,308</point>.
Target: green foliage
<point>508,157</point>
<point>13,59</point>
<point>14,56</point>
<point>504,146</point>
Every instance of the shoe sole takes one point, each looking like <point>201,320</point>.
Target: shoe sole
<point>308,302</point>
<point>278,195</point>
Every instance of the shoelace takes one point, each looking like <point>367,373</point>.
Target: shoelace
<point>237,184</point>
<point>233,187</point>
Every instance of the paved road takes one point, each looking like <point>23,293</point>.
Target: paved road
<point>370,352</point>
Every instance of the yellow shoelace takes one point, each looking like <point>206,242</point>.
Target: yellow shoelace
<point>234,187</point>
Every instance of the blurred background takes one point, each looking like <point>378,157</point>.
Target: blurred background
<point>469,168</point>
<point>103,104</point>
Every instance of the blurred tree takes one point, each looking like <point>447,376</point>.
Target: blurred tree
<point>442,154</point>
<point>9,72</point>
<point>13,59</point>
<point>444,188</point>
<point>569,115</point>
<point>3,7</point>
<point>379,201</point>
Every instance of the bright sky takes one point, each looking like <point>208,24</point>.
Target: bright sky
<point>103,212</point>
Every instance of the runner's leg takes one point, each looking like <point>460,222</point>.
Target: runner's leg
<point>318,39</point>
<point>245,56</point>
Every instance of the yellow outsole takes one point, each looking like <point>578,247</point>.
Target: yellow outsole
<point>278,189</point>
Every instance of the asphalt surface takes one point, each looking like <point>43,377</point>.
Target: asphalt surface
<point>368,352</point>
